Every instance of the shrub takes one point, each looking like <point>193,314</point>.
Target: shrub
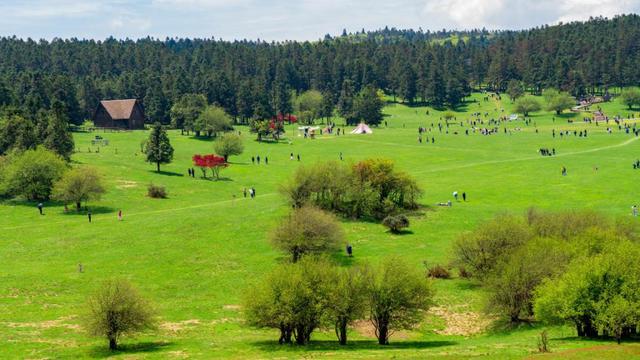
<point>118,309</point>
<point>438,272</point>
<point>395,223</point>
<point>78,185</point>
<point>307,230</point>
<point>464,273</point>
<point>32,173</point>
<point>543,342</point>
<point>156,191</point>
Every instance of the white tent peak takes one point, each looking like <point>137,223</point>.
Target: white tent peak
<point>362,128</point>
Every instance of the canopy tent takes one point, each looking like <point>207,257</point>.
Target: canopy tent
<point>362,128</point>
<point>513,117</point>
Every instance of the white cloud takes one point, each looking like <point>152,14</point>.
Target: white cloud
<point>50,9</point>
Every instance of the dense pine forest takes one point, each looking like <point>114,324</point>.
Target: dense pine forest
<point>255,79</point>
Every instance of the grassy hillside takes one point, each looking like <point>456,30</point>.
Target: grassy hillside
<point>194,253</point>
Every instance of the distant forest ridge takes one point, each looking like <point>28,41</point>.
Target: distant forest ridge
<point>255,79</point>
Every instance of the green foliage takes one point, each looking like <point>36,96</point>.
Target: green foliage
<point>117,309</point>
<point>79,185</point>
<point>229,144</point>
<point>308,106</point>
<point>346,299</point>
<point>307,230</point>
<point>17,133</point>
<point>527,104</point>
<point>599,292</point>
<point>399,295</point>
<point>291,299</point>
<point>186,110</point>
<point>213,120</point>
<point>32,173</point>
<point>367,107</point>
<point>158,147</point>
<point>156,191</point>
<point>481,249</point>
<point>630,97</point>
<point>370,188</point>
<point>395,223</point>
<point>514,89</point>
<point>558,101</point>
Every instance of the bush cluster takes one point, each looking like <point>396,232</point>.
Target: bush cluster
<point>156,191</point>
<point>370,188</point>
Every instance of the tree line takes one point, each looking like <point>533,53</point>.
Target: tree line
<point>255,79</point>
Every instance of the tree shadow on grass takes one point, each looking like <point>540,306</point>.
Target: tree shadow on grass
<point>166,173</point>
<point>135,348</point>
<point>353,345</point>
<point>400,232</point>
<point>95,210</point>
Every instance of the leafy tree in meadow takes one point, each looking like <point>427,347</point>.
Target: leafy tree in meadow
<point>514,89</point>
<point>346,299</point>
<point>186,110</point>
<point>291,299</point>
<point>307,230</point>
<point>346,101</point>
<point>367,107</point>
<point>32,173</point>
<point>481,249</point>
<point>58,137</point>
<point>118,309</point>
<point>212,121</point>
<point>558,101</point>
<point>600,292</point>
<point>79,185</point>
<point>527,104</point>
<point>630,97</point>
<point>210,162</point>
<point>516,275</point>
<point>229,144</point>
<point>308,106</point>
<point>17,133</point>
<point>399,295</point>
<point>158,148</point>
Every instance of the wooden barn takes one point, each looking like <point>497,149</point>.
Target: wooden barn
<point>119,114</point>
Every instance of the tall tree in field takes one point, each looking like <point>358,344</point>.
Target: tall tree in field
<point>558,101</point>
<point>229,144</point>
<point>345,101</point>
<point>367,107</point>
<point>630,97</point>
<point>118,309</point>
<point>514,89</point>
<point>186,110</point>
<point>158,147</point>
<point>399,295</point>
<point>58,138</point>
<point>309,106</point>
<point>527,104</point>
<point>213,120</point>
<point>78,185</point>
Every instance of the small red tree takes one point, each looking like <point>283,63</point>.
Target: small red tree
<point>211,161</point>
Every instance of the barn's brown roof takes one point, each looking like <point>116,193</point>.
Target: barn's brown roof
<point>119,109</point>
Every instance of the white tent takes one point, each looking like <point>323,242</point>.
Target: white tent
<point>362,129</point>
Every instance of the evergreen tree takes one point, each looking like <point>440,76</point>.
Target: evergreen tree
<point>158,147</point>
<point>58,138</point>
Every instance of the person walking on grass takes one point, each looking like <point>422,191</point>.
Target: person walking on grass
<point>40,206</point>
<point>244,192</point>
<point>266,160</point>
<point>634,210</point>
<point>119,215</point>
<point>464,196</point>
<point>258,159</point>
<point>455,195</point>
<point>89,215</point>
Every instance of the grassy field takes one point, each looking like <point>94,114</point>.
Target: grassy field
<point>194,253</point>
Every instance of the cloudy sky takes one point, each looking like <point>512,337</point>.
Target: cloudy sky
<point>283,19</point>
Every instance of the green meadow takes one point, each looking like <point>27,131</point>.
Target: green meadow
<point>194,253</point>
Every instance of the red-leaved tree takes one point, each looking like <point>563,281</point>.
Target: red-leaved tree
<point>211,161</point>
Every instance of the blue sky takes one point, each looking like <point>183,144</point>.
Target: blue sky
<point>281,19</point>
